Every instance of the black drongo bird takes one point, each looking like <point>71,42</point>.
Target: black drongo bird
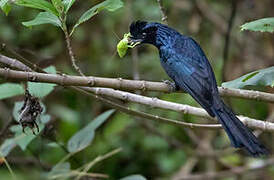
<point>185,62</point>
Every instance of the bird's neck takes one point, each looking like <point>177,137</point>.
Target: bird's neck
<point>165,37</point>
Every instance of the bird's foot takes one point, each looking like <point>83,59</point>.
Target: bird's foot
<point>171,86</point>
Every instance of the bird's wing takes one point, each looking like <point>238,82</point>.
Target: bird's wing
<point>193,73</point>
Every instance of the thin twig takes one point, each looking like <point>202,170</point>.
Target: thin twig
<point>71,54</point>
<point>227,37</point>
<point>186,168</point>
<point>164,16</point>
<point>22,63</point>
<point>172,141</point>
<point>22,161</point>
<point>217,20</point>
<point>74,173</point>
<point>13,63</point>
<point>209,13</point>
<point>98,159</point>
<point>9,168</point>
<point>228,173</point>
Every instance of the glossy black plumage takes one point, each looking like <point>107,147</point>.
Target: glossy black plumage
<point>185,62</point>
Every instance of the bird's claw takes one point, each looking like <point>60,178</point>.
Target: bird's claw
<point>172,87</point>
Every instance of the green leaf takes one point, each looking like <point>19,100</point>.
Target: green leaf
<point>65,113</point>
<point>84,137</point>
<point>5,6</point>
<point>118,124</point>
<point>42,89</point>
<point>99,120</point>
<point>262,25</point>
<point>10,89</point>
<point>134,177</point>
<point>22,139</point>
<point>3,3</point>
<point>86,16</point>
<point>68,4</point>
<point>53,145</point>
<point>38,4</point>
<point>249,76</point>
<point>110,5</point>
<point>44,18</point>
<point>59,169</point>
<point>262,77</point>
<point>6,147</point>
<point>59,6</point>
<point>80,140</point>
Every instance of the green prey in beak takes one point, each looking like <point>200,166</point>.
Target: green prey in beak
<point>126,43</point>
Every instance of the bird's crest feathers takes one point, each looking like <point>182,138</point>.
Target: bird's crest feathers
<point>137,27</point>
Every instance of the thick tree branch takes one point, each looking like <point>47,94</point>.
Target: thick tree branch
<point>182,108</point>
<point>126,96</point>
<point>143,114</point>
<point>153,102</point>
<point>122,84</point>
<point>140,114</point>
<point>19,65</point>
<point>13,63</point>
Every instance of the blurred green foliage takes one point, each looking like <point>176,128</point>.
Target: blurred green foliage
<point>262,25</point>
<point>262,77</point>
<point>148,148</point>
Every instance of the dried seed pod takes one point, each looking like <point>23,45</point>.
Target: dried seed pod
<point>29,112</point>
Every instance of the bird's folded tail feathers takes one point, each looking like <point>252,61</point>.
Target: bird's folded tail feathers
<point>238,133</point>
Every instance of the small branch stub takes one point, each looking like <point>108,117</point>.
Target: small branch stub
<point>164,16</point>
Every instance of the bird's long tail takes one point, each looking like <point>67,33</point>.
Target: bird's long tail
<point>239,134</point>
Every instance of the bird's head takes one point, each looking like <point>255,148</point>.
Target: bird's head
<point>143,32</point>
